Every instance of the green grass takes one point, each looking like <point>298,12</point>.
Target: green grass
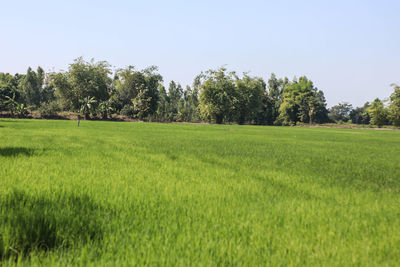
<point>118,193</point>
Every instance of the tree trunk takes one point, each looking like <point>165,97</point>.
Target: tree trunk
<point>311,114</point>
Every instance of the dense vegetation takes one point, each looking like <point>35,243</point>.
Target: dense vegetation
<point>94,90</point>
<point>116,194</point>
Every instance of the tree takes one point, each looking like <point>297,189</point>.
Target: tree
<point>217,95</point>
<point>248,98</point>
<point>360,115</point>
<point>63,90</point>
<point>14,107</point>
<point>301,102</point>
<point>31,87</point>
<point>266,115</point>
<point>87,106</point>
<point>83,80</point>
<point>21,110</point>
<point>175,93</point>
<point>40,76</point>
<point>320,114</point>
<point>9,88</point>
<point>141,104</point>
<point>275,90</point>
<point>128,82</point>
<point>138,88</point>
<point>340,112</point>
<point>145,103</point>
<point>153,82</point>
<point>187,110</point>
<point>378,113</point>
<point>105,109</point>
<point>163,105</point>
<point>288,110</point>
<point>11,104</point>
<point>47,93</point>
<point>394,106</point>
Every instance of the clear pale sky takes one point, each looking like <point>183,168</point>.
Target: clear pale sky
<point>349,49</point>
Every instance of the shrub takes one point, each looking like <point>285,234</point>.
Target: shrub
<point>49,110</point>
<point>128,111</point>
<point>21,110</point>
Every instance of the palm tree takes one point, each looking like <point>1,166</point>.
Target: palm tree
<point>86,107</point>
<point>11,103</point>
<point>21,110</point>
<point>105,109</point>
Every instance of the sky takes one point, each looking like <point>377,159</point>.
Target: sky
<point>349,49</point>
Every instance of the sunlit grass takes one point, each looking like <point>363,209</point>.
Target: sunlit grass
<point>115,193</point>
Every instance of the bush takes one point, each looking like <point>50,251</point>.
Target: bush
<point>21,111</point>
<point>49,110</point>
<point>128,111</point>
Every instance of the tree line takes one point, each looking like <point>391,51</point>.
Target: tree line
<point>93,90</point>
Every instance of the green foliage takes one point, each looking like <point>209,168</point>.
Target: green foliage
<point>142,104</point>
<point>128,111</point>
<point>105,109</point>
<point>360,115</point>
<point>128,82</point>
<point>21,110</point>
<point>132,194</point>
<point>217,95</point>
<point>378,113</point>
<point>18,109</point>
<point>9,88</point>
<point>274,98</point>
<point>139,88</point>
<point>177,105</point>
<point>163,105</point>
<point>266,115</point>
<point>340,112</point>
<point>11,103</point>
<point>302,102</point>
<point>48,93</point>
<point>187,110</point>
<point>224,97</point>
<point>49,109</point>
<point>83,79</point>
<point>31,86</point>
<point>175,93</point>
<point>86,106</point>
<point>317,108</point>
<point>248,98</point>
<point>394,106</point>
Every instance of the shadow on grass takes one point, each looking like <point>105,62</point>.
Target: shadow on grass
<point>41,223</point>
<point>16,151</point>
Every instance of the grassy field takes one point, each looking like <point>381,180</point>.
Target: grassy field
<point>119,193</point>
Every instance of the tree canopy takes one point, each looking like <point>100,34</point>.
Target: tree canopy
<point>83,79</point>
<point>302,102</point>
<point>217,95</point>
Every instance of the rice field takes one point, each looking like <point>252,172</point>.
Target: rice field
<point>122,194</point>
